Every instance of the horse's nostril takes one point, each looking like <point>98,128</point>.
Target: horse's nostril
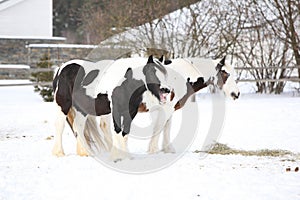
<point>165,90</point>
<point>234,95</point>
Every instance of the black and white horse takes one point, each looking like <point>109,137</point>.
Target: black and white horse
<point>89,89</point>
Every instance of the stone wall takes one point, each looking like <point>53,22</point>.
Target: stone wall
<point>31,51</point>
<point>57,55</point>
<point>19,51</point>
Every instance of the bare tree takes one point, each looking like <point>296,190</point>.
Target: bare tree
<point>260,35</point>
<point>282,17</point>
<point>263,48</point>
<point>115,16</point>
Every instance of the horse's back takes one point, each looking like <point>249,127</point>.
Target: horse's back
<point>185,69</point>
<point>113,75</point>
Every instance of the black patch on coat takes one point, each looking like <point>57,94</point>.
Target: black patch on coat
<point>65,83</point>
<point>90,77</point>
<point>166,61</point>
<point>152,81</point>
<point>222,75</point>
<point>192,87</point>
<point>126,100</point>
<point>70,92</point>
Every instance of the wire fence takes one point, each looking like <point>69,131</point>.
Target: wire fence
<point>26,74</point>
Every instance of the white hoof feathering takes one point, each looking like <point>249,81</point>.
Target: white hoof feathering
<point>153,147</point>
<point>58,152</point>
<point>119,150</point>
<point>169,149</point>
<point>80,149</point>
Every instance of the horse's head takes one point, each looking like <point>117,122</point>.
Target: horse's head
<point>156,79</point>
<point>225,80</point>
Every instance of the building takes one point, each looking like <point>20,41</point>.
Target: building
<point>33,18</point>
<point>26,34</point>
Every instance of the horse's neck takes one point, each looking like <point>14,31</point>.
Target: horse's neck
<point>185,69</point>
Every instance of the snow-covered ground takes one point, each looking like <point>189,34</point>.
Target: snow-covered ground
<point>29,171</point>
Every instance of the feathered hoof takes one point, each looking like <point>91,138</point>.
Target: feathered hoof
<point>153,149</point>
<point>58,153</point>
<point>80,150</point>
<point>169,149</point>
<point>118,155</point>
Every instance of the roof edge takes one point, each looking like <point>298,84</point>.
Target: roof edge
<point>8,3</point>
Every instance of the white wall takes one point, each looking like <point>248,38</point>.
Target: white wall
<point>27,18</point>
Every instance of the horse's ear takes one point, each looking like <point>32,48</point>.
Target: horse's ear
<point>222,62</point>
<point>167,62</point>
<point>150,59</point>
<point>128,74</point>
<point>161,59</point>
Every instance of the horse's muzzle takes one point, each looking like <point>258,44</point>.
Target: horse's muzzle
<point>234,95</point>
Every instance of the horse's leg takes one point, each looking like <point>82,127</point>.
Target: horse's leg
<point>80,150</point>
<point>126,130</point>
<point>59,126</point>
<point>167,146</point>
<point>164,114</point>
<point>153,146</point>
<point>119,148</point>
<point>116,135</point>
<point>79,128</point>
<point>158,124</point>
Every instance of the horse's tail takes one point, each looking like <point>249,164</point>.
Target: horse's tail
<point>98,139</point>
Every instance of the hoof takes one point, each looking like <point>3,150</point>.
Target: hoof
<point>120,157</point>
<point>82,152</point>
<point>169,149</point>
<point>117,155</point>
<point>59,153</point>
<point>153,150</point>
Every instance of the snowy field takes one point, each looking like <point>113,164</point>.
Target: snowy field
<point>29,171</point>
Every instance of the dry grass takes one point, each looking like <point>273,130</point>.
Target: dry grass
<point>224,149</point>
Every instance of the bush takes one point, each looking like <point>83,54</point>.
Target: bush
<point>46,91</point>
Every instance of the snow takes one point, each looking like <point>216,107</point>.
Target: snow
<point>14,66</point>
<point>31,37</point>
<point>29,171</point>
<point>61,46</point>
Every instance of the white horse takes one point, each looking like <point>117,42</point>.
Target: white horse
<point>218,71</point>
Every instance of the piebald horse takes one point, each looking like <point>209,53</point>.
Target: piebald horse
<point>88,89</point>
